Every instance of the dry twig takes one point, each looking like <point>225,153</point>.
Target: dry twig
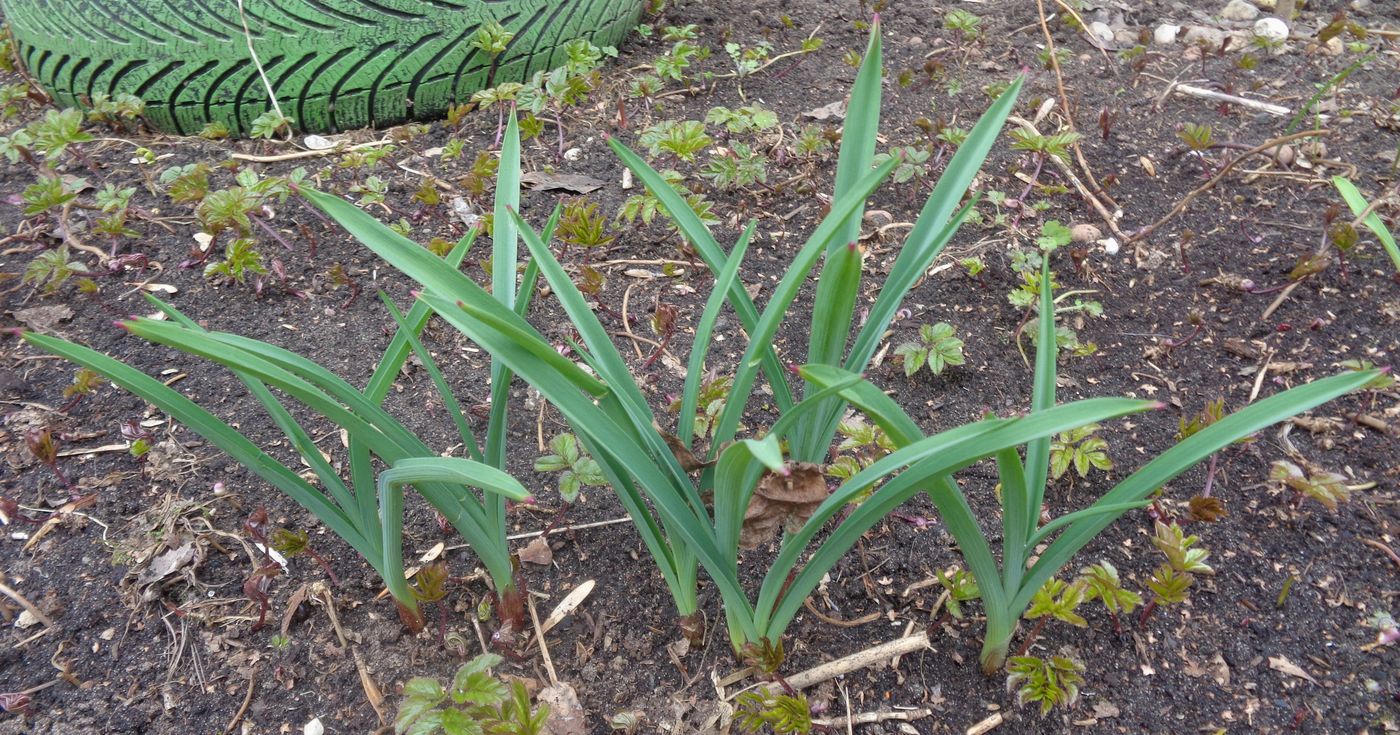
<point>1224,171</point>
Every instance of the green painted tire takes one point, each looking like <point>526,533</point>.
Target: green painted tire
<point>333,64</point>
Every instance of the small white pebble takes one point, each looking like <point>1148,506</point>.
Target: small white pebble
<point>1272,29</point>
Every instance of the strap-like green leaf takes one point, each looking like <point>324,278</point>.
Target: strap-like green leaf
<point>1182,457</point>
<point>704,330</point>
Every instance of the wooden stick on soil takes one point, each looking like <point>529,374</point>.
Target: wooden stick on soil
<point>859,660</point>
<point>1064,96</point>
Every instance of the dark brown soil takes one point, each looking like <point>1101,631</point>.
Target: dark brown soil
<point>146,653</point>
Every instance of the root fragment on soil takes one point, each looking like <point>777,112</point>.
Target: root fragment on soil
<point>859,660</point>
<point>869,718</point>
<point>986,726</point>
<point>243,708</point>
<point>1384,549</point>
<point>862,620</point>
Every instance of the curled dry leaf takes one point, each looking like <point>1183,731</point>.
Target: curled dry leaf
<point>1208,509</point>
<point>537,552</point>
<point>689,462</point>
<point>1283,665</point>
<point>782,500</point>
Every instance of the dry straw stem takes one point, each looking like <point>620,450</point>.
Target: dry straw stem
<point>248,37</point>
<point>247,700</point>
<point>1211,94</point>
<point>870,718</point>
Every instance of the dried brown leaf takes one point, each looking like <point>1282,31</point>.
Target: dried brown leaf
<point>537,552</point>
<point>783,500</point>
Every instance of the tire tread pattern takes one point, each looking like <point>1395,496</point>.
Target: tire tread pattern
<point>334,64</point>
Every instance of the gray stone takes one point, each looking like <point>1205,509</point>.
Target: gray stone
<point>1203,35</point>
<point>1165,34</point>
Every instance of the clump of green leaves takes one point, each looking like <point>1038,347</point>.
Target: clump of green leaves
<point>493,38</point>
<point>961,587</point>
<point>937,347</point>
<point>1197,137</point>
<point>1049,682</point>
<point>582,225</point>
<point>241,261</point>
<point>1055,145</point>
<point>119,110</point>
<point>1081,448</point>
<point>746,119</point>
<point>684,139</point>
<point>1170,581</point>
<point>760,708</point>
<point>477,703</point>
<point>1328,488</point>
<point>738,167</point>
<point>861,444</point>
<point>10,94</point>
<point>271,124</point>
<point>912,163</point>
<point>50,192</point>
<point>967,26</point>
<point>1101,582</point>
<point>812,141</point>
<point>58,130</point>
<point>1057,599</point>
<point>709,403</point>
<point>215,130</point>
<point>51,269</point>
<point>576,469</point>
<point>645,206</point>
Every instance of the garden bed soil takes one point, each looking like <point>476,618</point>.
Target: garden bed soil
<point>1275,641</point>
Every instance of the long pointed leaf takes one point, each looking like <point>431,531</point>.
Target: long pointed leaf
<point>1185,455</point>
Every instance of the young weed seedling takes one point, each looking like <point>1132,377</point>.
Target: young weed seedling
<point>937,347</point>
<point>477,702</point>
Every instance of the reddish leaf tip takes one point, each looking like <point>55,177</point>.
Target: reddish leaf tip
<point>1158,405</point>
<point>122,325</point>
